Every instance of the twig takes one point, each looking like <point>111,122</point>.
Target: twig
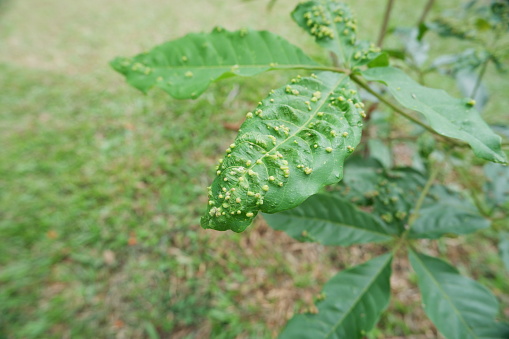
<point>479,77</point>
<point>470,184</point>
<point>425,12</point>
<point>424,193</point>
<point>385,22</point>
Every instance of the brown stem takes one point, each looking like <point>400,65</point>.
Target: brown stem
<point>424,193</point>
<point>479,78</point>
<point>425,12</point>
<point>385,22</point>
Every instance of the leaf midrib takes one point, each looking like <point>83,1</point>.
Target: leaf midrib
<point>340,224</point>
<point>437,284</point>
<point>275,67</point>
<point>340,50</point>
<point>320,105</point>
<point>357,300</point>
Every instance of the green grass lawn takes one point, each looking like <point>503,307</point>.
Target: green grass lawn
<point>101,187</point>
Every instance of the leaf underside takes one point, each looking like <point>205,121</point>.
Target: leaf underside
<point>460,307</point>
<point>354,300</point>
<point>330,221</point>
<point>291,145</point>
<point>334,27</point>
<point>185,67</point>
<point>448,116</point>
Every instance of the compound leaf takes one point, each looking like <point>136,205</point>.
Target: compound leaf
<point>185,67</point>
<point>329,221</point>
<point>460,307</point>
<point>447,213</point>
<point>353,302</point>
<point>454,118</point>
<point>291,145</point>
<point>334,27</point>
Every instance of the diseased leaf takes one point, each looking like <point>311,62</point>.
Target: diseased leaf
<point>291,145</point>
<point>353,302</point>
<point>185,67</point>
<point>466,81</point>
<point>455,118</point>
<point>330,221</point>
<point>391,192</point>
<point>460,307</point>
<point>334,27</point>
<point>447,213</point>
<point>503,248</point>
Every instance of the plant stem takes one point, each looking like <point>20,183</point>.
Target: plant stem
<point>470,184</point>
<point>425,12</point>
<point>479,77</point>
<point>271,4</point>
<point>385,22</point>
<point>424,193</point>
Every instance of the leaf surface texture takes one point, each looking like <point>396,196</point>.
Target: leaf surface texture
<point>185,67</point>
<point>290,146</point>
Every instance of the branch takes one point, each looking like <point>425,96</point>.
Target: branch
<point>425,12</point>
<point>424,193</point>
<point>479,78</point>
<point>385,23</point>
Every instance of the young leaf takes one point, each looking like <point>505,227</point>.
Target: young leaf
<point>455,118</point>
<point>334,27</point>
<point>291,145</point>
<point>330,221</point>
<point>185,67</point>
<point>503,248</point>
<point>353,302</point>
<point>460,307</point>
<point>448,213</point>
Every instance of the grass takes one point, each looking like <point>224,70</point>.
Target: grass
<point>102,187</point>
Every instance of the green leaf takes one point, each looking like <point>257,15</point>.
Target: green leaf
<point>382,60</point>
<point>293,144</point>
<point>459,307</point>
<point>454,118</point>
<point>360,182</point>
<point>416,50</point>
<point>334,27</point>
<point>354,300</point>
<point>185,67</point>
<point>503,248</point>
<point>330,221</point>
<point>391,192</point>
<point>496,187</point>
<point>447,213</point>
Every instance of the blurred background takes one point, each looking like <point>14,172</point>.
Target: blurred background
<point>101,187</point>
